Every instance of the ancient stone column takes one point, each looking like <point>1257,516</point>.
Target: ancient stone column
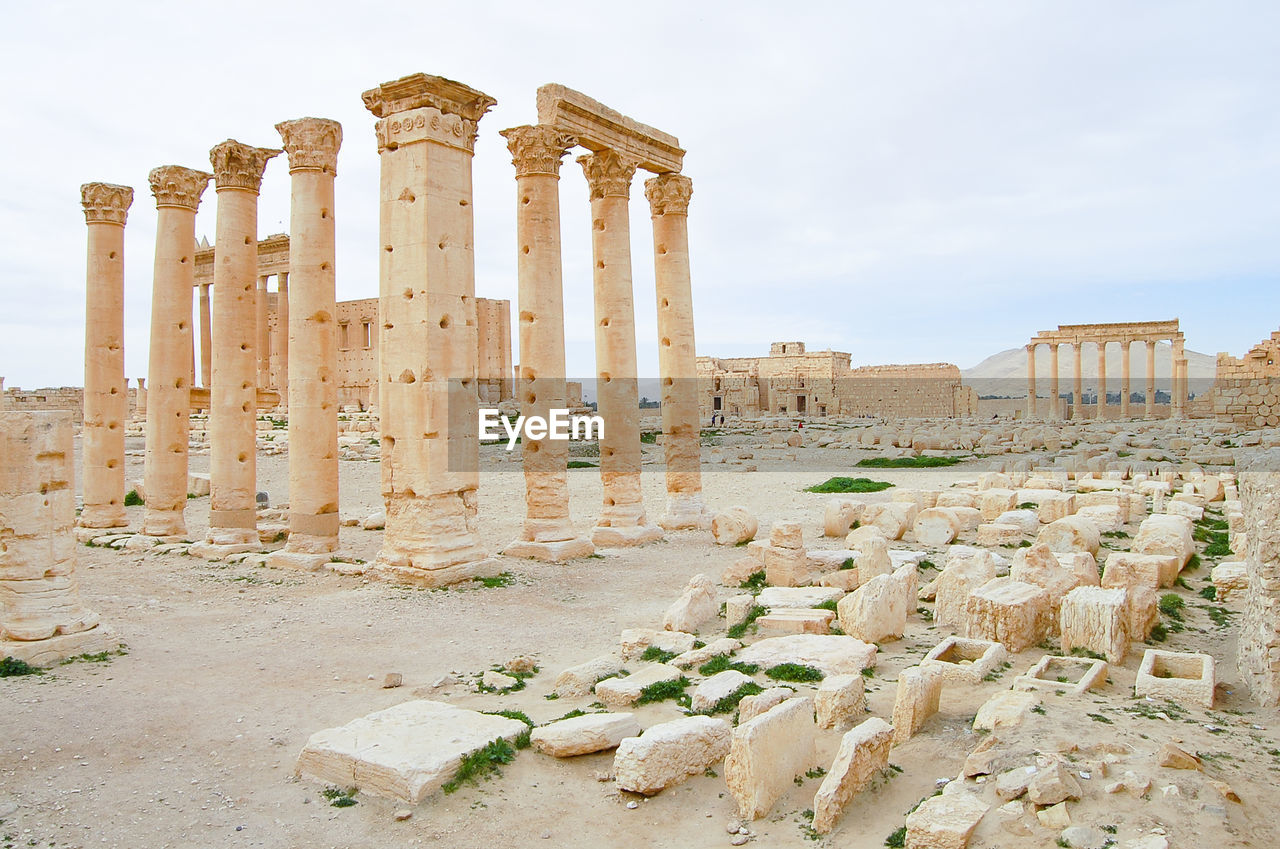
<point>41,618</point>
<point>262,343</point>
<point>281,343</point>
<point>206,338</point>
<point>1031,382</point>
<point>1056,403</point>
<point>1258,652</point>
<point>1178,389</point>
<point>1150,399</point>
<point>547,533</point>
<point>427,385</point>
<point>140,399</point>
<point>623,521</point>
<point>1124,378</point>
<point>106,391</point>
<point>312,145</point>
<point>1077,397</point>
<point>1102,381</point>
<point>668,196</point>
<point>177,191</point>
<point>233,398</point>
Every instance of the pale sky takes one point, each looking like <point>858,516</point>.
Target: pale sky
<point>907,181</point>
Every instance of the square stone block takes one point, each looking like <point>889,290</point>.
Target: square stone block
<point>1176,676</point>
<point>1008,612</point>
<point>1073,675</point>
<point>1096,619</point>
<point>796,621</point>
<point>998,533</point>
<point>964,661</point>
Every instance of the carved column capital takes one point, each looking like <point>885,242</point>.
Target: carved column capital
<point>239,166</point>
<point>668,194</point>
<point>176,185</point>
<point>537,148</point>
<point>106,202</point>
<point>311,143</point>
<point>424,107</point>
<point>608,173</point>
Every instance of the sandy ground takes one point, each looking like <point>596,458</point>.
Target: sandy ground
<point>190,737</point>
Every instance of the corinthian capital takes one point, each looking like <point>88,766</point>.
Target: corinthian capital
<point>537,148</point>
<point>175,185</point>
<point>311,143</point>
<point>105,202</point>
<point>608,173</point>
<point>668,194</point>
<point>239,166</point>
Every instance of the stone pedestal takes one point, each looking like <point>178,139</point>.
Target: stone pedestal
<point>622,520</point>
<point>668,197</point>
<point>177,191</point>
<point>41,618</point>
<point>312,145</point>
<point>547,533</point>
<point>233,411</point>
<point>427,385</point>
<point>106,395</point>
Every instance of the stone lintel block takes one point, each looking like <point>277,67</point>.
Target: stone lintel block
<point>597,127</point>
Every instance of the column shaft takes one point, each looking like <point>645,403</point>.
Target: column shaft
<point>1177,387</point>
<point>1124,378</point>
<point>177,192</point>
<point>1077,391</point>
<point>206,338</point>
<point>622,520</point>
<point>427,389</point>
<point>106,395</point>
<point>1102,381</point>
<point>262,332</point>
<point>1150,399</point>
<point>547,533</point>
<point>1054,395</point>
<point>1031,381</point>
<point>281,344</point>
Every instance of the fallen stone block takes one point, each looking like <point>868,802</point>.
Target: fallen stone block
<point>1071,533</point>
<point>1053,784</point>
<point>767,753</point>
<point>696,606</point>
<point>752,706</point>
<point>918,694</point>
<point>841,700</point>
<point>623,691</point>
<point>796,621</point>
<point>876,611</point>
<point>713,649</point>
<point>1165,534</point>
<point>579,680</point>
<point>634,641</point>
<point>963,661</point>
<point>1006,709</point>
<point>719,686</point>
<point>1149,570</point>
<point>1096,619</point>
<point>944,822</point>
<point>839,515</point>
<point>1180,677</point>
<point>833,654</point>
<point>733,525</point>
<point>994,534</point>
<point>582,735</point>
<point>670,752</point>
<point>1008,612</point>
<point>936,526</point>
<point>1229,578</point>
<point>862,755</point>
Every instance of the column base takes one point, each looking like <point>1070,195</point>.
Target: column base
<point>685,512</point>
<point>159,523</point>
<point>221,542</point>
<point>611,536</point>
<point>298,561</point>
<point>59,647</point>
<point>552,552</point>
<point>95,519</point>
<point>415,576</point>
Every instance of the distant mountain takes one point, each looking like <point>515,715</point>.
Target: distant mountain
<point>1005,373</point>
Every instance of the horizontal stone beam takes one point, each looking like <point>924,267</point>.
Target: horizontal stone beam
<point>597,127</point>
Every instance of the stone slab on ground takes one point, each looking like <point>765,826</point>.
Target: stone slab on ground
<point>405,752</point>
<point>582,735</point>
<point>833,654</point>
<point>670,752</point>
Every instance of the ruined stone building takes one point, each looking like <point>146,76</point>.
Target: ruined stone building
<point>1246,390</point>
<point>791,380</point>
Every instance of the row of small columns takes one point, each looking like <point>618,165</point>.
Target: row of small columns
<point>1179,390</point>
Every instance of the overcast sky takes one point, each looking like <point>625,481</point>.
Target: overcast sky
<point>907,181</point>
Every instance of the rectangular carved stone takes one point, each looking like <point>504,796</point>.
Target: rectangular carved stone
<point>597,127</point>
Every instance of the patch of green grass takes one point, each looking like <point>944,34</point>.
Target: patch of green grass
<point>580,464</point>
<point>1171,605</point>
<point>1097,717</point>
<point>829,604</point>
<point>738,631</point>
<point>839,484</point>
<point>573,714</point>
<point>848,563</point>
<point>649,437</point>
<point>1218,549</point>
<point>1193,563</point>
<point>504,579</point>
<point>132,499</point>
<point>1116,534</point>
<point>897,838</point>
<point>654,654</point>
<point>11,667</point>
<point>1037,709</point>
<point>338,797</point>
<point>1219,615</point>
<point>908,462</point>
<point>794,672</point>
<point>1210,592</point>
<point>1159,633</point>
<point>868,672</point>
<point>926,564</point>
<point>754,583</point>
<point>660,691</point>
<point>1028,505</point>
<point>720,663</point>
<point>1081,651</point>
<point>481,763</point>
<point>730,702</point>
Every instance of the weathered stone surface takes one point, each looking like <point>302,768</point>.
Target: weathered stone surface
<point>1258,657</point>
<point>863,753</point>
<point>1165,534</point>
<point>1005,709</point>
<point>579,680</point>
<point>776,598</point>
<point>1149,570</point>
<point>1096,619</point>
<point>877,610</point>
<point>936,526</point>
<point>713,649</point>
<point>405,752</point>
<point>1053,784</point>
<point>1229,578</point>
<point>767,753</point>
<point>796,621</point>
<point>832,653</point>
<point>873,559</point>
<point>964,661</point>
<point>717,687</point>
<point>634,641</point>
<point>733,525</point>
<point>619,692</point>
<point>752,706</point>
<point>892,518</point>
<point>1071,533</point>
<point>1008,612</point>
<point>696,606</point>
<point>670,752</point>
<point>582,735</point>
<point>994,533</point>
<point>944,822</point>
<point>919,690</point>
<point>1181,677</point>
<point>1175,757</point>
<point>838,516</point>
<point>840,701</point>
<point>963,573</point>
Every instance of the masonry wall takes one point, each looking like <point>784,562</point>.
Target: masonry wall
<point>1247,390</point>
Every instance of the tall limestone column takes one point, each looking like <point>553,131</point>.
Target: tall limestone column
<point>1150,399</point>
<point>263,342</point>
<point>427,383</point>
<point>547,533</point>
<point>1031,382</point>
<point>1077,397</point>
<point>668,196</point>
<point>206,338</point>
<point>312,145</point>
<point>1056,402</point>
<point>1102,381</point>
<point>233,399</point>
<point>41,618</point>
<point>106,391</point>
<point>623,521</point>
<point>168,403</point>
<point>1124,378</point>
<point>1178,384</point>
<point>281,342</point>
